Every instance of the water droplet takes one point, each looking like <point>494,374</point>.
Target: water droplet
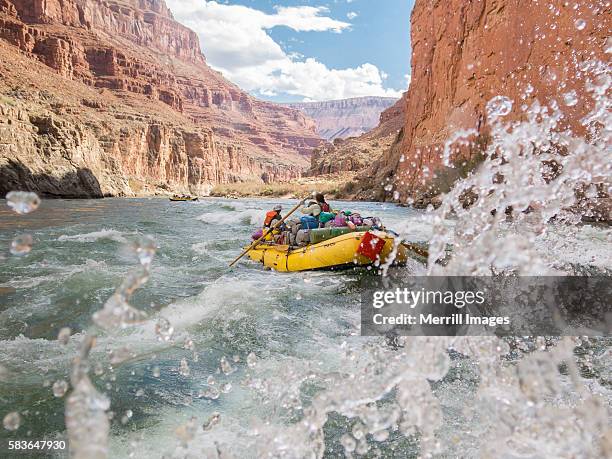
<point>211,393</point>
<point>21,245</point>
<point>498,106</point>
<point>348,443</point>
<point>251,360</point>
<point>126,417</point>
<point>188,344</point>
<point>156,372</point>
<point>120,355</point>
<point>212,421</point>
<point>60,388</point>
<point>570,98</point>
<point>236,358</point>
<point>22,202</point>
<point>12,421</point>
<point>211,380</point>
<point>117,313</point>
<point>580,24</point>
<point>140,392</point>
<point>145,249</point>
<point>186,432</point>
<point>64,335</point>
<point>226,367</point>
<point>381,435</point>
<point>184,368</point>
<point>164,330</point>
<point>226,388</point>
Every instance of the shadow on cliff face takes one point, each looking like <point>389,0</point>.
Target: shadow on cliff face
<point>81,183</point>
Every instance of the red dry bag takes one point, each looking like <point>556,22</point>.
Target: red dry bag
<point>370,246</point>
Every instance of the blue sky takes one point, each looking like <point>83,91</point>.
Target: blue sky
<point>293,50</point>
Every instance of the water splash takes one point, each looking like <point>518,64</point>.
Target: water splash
<point>117,312</point>
<point>86,410</point>
<point>527,173</point>
<point>498,107</point>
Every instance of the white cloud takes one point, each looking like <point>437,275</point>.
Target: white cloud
<point>236,42</point>
<point>351,15</point>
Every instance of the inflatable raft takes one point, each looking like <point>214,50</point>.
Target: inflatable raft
<point>179,199</point>
<point>338,252</point>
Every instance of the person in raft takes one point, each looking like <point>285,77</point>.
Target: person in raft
<point>318,213</point>
<point>272,217</point>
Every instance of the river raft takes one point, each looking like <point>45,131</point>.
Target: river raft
<point>345,250</point>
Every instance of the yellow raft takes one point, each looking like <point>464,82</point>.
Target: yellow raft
<point>341,251</point>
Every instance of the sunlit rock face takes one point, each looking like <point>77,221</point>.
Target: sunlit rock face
<point>467,53</point>
<point>115,98</point>
<point>341,119</point>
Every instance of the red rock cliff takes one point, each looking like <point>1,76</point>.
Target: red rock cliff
<point>467,52</point>
<point>134,83</point>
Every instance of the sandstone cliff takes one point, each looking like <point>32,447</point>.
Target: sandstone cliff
<point>341,119</point>
<point>114,97</point>
<point>467,52</point>
<point>357,153</point>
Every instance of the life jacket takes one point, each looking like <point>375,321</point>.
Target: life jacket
<point>270,217</point>
<point>325,207</point>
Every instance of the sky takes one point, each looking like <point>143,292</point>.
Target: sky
<point>305,50</point>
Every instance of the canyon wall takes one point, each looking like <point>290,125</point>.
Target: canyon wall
<point>357,153</point>
<point>465,53</point>
<point>117,92</point>
<point>341,119</point>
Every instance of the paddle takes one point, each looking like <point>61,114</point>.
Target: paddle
<point>268,231</point>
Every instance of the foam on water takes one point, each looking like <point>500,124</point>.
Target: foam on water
<point>95,236</point>
<point>236,214</point>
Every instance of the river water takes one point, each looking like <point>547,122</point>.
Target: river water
<point>254,346</point>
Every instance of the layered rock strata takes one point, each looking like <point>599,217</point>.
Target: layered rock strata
<point>118,91</point>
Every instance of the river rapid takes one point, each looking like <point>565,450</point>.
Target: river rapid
<point>250,363</point>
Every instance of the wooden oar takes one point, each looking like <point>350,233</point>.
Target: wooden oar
<point>258,241</point>
<point>416,249</point>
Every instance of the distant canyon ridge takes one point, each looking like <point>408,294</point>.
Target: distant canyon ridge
<point>341,119</point>
<point>114,98</point>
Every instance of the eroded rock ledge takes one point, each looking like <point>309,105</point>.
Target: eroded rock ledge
<point>118,93</point>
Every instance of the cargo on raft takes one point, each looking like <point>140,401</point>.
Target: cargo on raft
<point>357,248</point>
